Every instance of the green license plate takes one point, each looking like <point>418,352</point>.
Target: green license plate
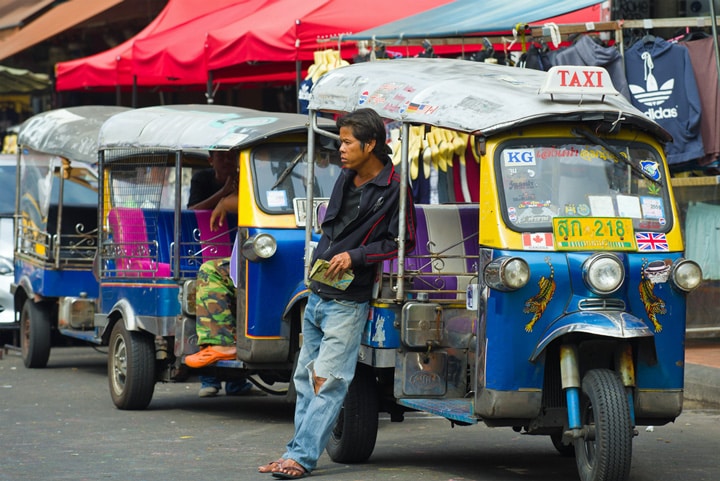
<point>594,234</point>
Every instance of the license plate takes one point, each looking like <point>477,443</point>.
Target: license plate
<point>594,234</point>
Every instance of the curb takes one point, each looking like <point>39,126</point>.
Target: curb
<point>702,384</point>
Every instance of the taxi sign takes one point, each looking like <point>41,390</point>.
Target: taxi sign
<point>578,80</point>
<point>594,233</point>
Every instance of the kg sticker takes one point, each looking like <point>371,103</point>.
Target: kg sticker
<point>519,157</point>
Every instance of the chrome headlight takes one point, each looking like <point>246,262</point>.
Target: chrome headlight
<point>686,275</point>
<point>507,273</point>
<point>259,247</point>
<point>603,273</point>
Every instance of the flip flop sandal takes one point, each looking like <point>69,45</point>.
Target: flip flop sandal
<point>208,356</point>
<point>269,467</point>
<point>294,470</point>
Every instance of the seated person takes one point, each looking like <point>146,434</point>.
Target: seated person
<point>209,188</point>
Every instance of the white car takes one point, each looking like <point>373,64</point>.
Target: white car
<point>8,163</point>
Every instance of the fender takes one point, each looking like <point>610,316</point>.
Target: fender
<point>24,284</point>
<point>300,293</point>
<point>615,324</point>
<point>159,326</point>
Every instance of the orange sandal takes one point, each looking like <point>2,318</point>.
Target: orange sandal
<point>209,355</point>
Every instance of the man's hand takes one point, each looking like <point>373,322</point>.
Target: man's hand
<point>339,265</point>
<point>219,213</point>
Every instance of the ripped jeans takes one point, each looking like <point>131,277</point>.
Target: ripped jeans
<point>332,330</point>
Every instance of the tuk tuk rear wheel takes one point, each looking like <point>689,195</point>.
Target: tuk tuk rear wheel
<point>131,368</point>
<point>607,454</point>
<point>35,327</point>
<point>353,437</point>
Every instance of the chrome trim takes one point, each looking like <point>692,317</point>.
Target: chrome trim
<point>600,304</point>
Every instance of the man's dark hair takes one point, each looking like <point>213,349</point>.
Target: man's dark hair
<point>367,125</point>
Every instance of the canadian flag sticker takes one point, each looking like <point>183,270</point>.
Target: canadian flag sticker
<point>538,241</point>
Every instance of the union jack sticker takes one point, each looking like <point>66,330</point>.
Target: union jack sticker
<point>651,241</point>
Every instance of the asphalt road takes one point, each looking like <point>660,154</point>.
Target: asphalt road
<point>59,423</point>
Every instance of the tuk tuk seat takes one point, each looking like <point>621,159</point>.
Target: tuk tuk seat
<point>445,258</point>
<point>135,254</point>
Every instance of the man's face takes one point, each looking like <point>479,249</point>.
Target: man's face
<point>224,163</point>
<point>353,154</point>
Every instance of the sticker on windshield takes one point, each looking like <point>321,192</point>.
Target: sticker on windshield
<point>650,167</point>
<point>628,206</point>
<point>277,198</point>
<point>652,208</point>
<point>518,157</point>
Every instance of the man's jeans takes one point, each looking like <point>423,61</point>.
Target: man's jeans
<point>331,341</point>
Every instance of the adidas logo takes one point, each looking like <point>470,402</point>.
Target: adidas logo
<point>653,95</point>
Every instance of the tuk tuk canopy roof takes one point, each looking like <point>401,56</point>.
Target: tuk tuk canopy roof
<point>196,127</point>
<point>471,17</point>
<point>462,95</point>
<point>71,132</point>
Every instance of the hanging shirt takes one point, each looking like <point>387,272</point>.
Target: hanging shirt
<point>702,58</point>
<point>662,85</point>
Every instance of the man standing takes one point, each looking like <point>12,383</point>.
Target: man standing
<point>360,230</point>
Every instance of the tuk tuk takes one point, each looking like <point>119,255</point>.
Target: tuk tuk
<point>548,294</point>
<point>152,245</point>
<point>54,290</point>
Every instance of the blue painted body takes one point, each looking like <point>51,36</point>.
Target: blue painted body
<point>272,284</point>
<point>55,283</point>
<point>510,345</point>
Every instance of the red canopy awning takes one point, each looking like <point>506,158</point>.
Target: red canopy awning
<point>179,54</point>
<point>273,35</point>
<point>113,67</point>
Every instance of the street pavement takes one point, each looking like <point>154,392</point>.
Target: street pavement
<point>702,371</point>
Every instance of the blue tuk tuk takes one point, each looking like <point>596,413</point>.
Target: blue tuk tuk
<point>547,291</point>
<point>55,240</point>
<point>151,245</point>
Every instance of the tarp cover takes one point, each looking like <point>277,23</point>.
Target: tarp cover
<point>178,127</point>
<point>21,81</point>
<point>71,133</point>
<point>468,17</point>
<point>473,97</point>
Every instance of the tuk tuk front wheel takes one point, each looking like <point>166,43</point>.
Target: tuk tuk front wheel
<point>131,368</point>
<point>35,327</point>
<point>353,438</point>
<point>605,453</point>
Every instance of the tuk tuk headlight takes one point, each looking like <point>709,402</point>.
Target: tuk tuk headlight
<point>507,273</point>
<point>686,275</point>
<point>259,247</point>
<point>603,273</point>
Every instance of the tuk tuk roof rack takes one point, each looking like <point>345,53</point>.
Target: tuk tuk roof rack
<point>473,97</point>
<point>64,132</point>
<point>196,127</point>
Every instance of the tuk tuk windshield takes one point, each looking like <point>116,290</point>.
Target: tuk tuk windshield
<point>279,172</point>
<point>569,178</point>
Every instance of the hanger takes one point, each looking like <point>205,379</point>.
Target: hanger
<point>648,38</point>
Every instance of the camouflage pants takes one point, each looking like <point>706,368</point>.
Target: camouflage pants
<point>215,304</point>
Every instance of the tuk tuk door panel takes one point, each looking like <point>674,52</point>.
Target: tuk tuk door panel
<point>270,283</point>
<point>148,298</point>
